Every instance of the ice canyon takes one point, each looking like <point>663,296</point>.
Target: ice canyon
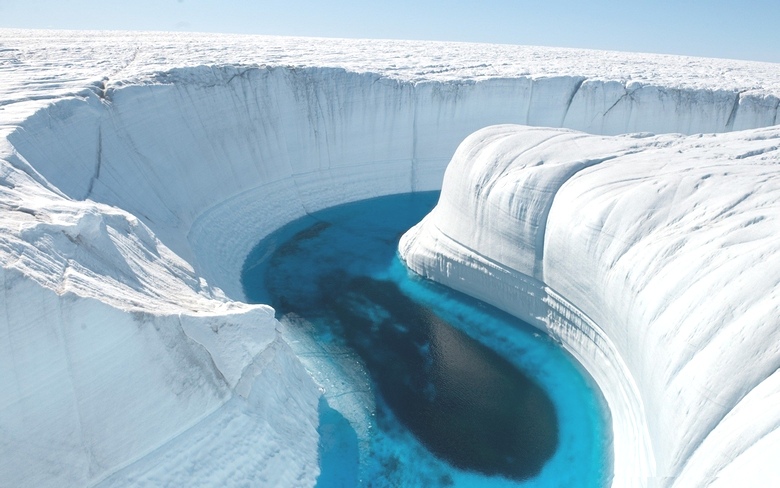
<point>626,204</point>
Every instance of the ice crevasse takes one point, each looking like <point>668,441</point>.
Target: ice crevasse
<point>138,170</point>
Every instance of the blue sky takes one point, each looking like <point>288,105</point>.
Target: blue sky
<point>742,29</point>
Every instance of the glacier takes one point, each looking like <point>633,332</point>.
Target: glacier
<point>137,170</point>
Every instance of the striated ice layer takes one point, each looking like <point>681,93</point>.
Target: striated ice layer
<point>654,260</point>
<point>137,170</point>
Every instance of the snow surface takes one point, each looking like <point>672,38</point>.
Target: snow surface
<point>138,169</point>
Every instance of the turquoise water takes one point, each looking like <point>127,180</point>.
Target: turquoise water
<point>463,394</point>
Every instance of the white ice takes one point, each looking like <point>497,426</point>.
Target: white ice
<point>138,169</point>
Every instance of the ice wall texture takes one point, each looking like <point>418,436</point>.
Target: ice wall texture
<point>139,169</point>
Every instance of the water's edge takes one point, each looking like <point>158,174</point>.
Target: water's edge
<point>347,389</point>
<point>536,303</point>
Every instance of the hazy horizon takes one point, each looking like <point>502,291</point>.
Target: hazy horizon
<point>745,29</point>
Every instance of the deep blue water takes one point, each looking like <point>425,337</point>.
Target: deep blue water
<point>464,394</point>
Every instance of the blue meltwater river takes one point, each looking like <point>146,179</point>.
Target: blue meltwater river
<point>423,386</point>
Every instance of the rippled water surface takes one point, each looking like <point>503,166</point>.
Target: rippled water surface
<point>424,386</point>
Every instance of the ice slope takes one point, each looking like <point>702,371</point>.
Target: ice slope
<point>662,250</point>
<point>138,169</point>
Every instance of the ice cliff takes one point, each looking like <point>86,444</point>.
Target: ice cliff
<point>138,170</point>
<point>654,259</point>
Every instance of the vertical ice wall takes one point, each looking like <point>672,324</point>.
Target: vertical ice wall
<point>111,346</point>
<point>196,150</point>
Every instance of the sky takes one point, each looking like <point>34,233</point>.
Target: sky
<point>738,29</point>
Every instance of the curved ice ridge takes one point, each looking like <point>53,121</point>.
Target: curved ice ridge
<point>133,183</point>
<point>654,260</point>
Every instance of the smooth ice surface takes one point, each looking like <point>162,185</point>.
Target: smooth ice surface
<point>510,405</point>
<point>137,170</point>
